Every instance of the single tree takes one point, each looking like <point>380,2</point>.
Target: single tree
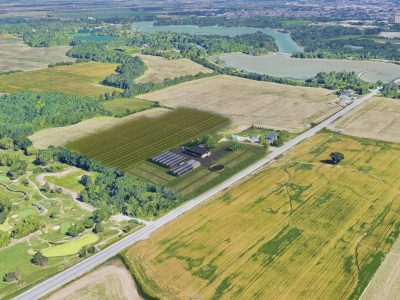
<point>85,180</point>
<point>82,252</point>
<point>12,276</point>
<point>98,228</point>
<point>336,157</point>
<point>39,259</point>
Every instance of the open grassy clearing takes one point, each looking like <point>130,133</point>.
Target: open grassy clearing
<point>249,102</point>
<point>378,118</point>
<point>16,55</point>
<point>134,141</point>
<point>59,136</point>
<point>109,281</point>
<point>201,179</point>
<point>70,247</point>
<point>70,181</point>
<point>126,106</point>
<point>299,229</point>
<point>160,68</point>
<point>76,79</point>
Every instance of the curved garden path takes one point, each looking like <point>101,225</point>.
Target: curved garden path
<point>41,180</point>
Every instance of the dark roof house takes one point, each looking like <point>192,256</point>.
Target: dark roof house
<point>198,151</point>
<point>271,137</point>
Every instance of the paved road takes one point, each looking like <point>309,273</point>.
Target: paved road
<point>82,267</point>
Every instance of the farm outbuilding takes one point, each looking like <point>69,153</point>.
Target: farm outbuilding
<point>198,151</point>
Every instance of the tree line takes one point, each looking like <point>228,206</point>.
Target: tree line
<point>112,190</point>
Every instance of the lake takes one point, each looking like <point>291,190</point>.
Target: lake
<point>302,69</point>
<point>283,40</point>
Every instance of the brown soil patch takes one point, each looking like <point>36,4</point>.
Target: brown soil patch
<point>249,102</point>
<point>378,118</point>
<point>108,282</point>
<point>15,55</point>
<point>159,68</point>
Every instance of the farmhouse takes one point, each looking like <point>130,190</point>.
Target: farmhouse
<point>197,151</point>
<point>255,138</point>
<point>271,137</point>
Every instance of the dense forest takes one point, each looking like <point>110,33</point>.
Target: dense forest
<point>255,21</point>
<point>340,81</point>
<point>343,42</point>
<point>22,114</point>
<point>391,90</point>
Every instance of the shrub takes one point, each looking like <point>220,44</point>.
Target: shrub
<point>39,259</point>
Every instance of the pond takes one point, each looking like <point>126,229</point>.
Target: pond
<point>302,69</point>
<point>94,37</point>
<point>283,40</point>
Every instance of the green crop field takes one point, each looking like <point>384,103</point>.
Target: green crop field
<point>76,79</point>
<point>134,141</point>
<point>300,229</point>
<point>126,106</point>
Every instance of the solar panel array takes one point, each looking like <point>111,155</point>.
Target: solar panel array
<point>184,168</point>
<point>168,159</point>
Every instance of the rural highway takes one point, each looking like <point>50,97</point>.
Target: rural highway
<point>86,265</point>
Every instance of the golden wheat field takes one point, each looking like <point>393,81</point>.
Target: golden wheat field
<point>300,229</point>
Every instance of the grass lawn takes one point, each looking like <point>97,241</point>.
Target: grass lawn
<point>126,106</point>
<point>299,229</point>
<point>71,180</point>
<point>5,226</point>
<point>27,212</point>
<point>76,79</point>
<point>134,141</point>
<point>201,179</point>
<point>19,257</point>
<point>71,247</point>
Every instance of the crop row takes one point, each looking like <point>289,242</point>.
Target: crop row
<point>137,140</point>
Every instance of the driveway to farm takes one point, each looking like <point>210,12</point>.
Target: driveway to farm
<point>88,264</point>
